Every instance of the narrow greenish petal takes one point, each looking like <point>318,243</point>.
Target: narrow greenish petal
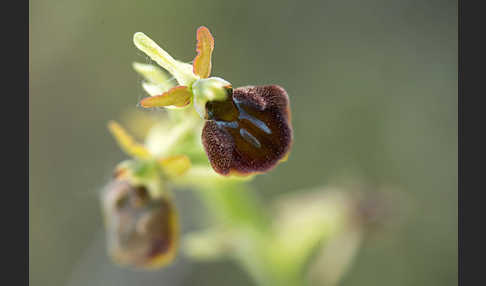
<point>178,96</point>
<point>204,48</point>
<point>161,57</point>
<point>176,165</point>
<point>127,143</point>
<point>151,73</point>
<point>155,89</point>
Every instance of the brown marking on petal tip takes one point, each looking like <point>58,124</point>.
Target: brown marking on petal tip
<point>250,132</point>
<point>119,173</point>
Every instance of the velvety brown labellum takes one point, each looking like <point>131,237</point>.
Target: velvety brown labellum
<point>250,132</point>
<point>140,229</point>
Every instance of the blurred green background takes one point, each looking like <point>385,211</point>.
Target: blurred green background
<point>373,90</point>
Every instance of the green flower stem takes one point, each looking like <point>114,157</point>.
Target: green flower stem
<point>253,241</point>
<point>177,135</point>
<point>236,206</point>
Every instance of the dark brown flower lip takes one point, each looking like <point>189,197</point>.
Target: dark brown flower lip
<point>142,231</point>
<point>249,133</point>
